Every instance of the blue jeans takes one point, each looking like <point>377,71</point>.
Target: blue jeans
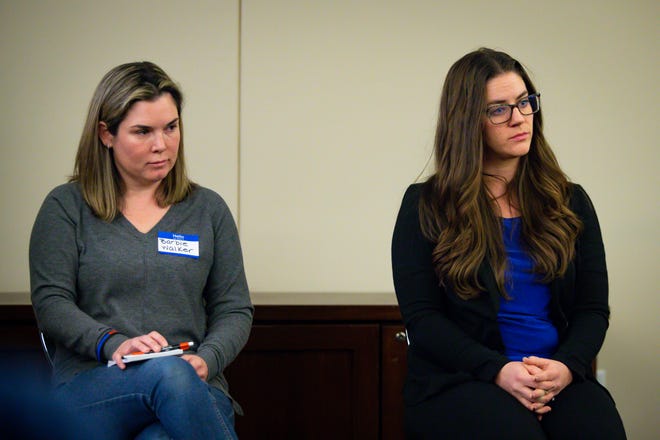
<point>158,398</point>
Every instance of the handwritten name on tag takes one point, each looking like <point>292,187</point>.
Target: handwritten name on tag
<point>178,244</point>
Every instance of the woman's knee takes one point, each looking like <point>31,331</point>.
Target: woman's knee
<point>471,410</point>
<point>173,375</point>
<point>584,410</point>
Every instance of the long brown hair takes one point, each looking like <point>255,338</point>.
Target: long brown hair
<point>456,210</point>
<point>94,169</point>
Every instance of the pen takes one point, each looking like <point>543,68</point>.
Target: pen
<point>183,346</point>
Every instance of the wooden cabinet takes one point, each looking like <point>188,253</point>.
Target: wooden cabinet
<point>307,372</point>
<point>393,365</point>
<point>321,372</point>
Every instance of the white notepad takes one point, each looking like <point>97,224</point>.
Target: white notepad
<point>144,356</point>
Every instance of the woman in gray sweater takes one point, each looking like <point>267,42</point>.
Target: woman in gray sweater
<point>130,256</point>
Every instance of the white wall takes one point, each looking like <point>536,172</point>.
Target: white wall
<point>338,101</point>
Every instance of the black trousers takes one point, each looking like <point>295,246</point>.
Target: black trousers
<point>479,410</point>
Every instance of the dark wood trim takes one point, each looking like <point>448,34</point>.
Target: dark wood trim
<point>18,328</point>
<point>10,313</point>
<point>326,313</point>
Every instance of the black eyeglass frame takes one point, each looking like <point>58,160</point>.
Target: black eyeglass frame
<point>536,95</point>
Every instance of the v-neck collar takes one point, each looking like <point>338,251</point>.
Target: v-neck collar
<point>160,224</point>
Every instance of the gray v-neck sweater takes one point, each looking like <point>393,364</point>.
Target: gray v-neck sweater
<point>89,276</point>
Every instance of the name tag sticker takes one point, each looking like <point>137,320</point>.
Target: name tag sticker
<point>178,244</point>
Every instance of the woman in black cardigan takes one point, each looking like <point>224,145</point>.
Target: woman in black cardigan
<point>499,270</point>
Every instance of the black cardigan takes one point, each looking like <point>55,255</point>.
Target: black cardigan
<point>454,340</point>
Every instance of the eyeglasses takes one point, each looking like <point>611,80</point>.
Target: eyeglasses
<point>501,113</point>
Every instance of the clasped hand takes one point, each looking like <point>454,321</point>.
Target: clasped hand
<point>534,382</point>
<point>154,341</point>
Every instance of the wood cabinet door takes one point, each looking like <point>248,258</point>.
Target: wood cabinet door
<point>394,347</point>
<point>308,381</point>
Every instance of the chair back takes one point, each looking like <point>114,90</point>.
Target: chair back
<point>48,347</point>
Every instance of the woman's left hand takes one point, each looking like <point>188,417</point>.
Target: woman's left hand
<point>550,376</point>
<point>198,364</point>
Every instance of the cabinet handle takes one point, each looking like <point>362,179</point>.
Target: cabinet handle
<point>400,336</point>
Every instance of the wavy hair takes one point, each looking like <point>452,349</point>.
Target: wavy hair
<point>458,213</point>
<point>95,170</point>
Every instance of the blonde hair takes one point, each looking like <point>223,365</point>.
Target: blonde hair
<point>94,169</point>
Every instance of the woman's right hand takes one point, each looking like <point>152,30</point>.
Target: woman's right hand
<point>153,341</point>
<point>516,379</point>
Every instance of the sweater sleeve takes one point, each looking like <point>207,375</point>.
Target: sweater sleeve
<point>587,306</point>
<point>53,275</point>
<point>431,331</point>
<point>228,306</point>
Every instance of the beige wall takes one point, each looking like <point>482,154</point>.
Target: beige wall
<point>54,53</point>
<point>336,117</point>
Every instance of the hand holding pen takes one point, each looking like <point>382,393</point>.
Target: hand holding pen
<point>152,342</point>
<point>144,344</point>
<point>182,346</point>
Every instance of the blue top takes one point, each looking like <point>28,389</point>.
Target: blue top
<point>524,319</point>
